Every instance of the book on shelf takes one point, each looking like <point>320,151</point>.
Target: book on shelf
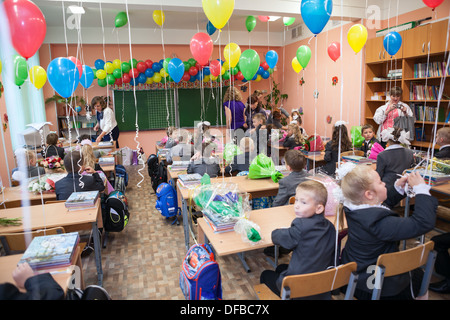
<point>428,113</point>
<point>420,134</point>
<point>189,179</point>
<point>432,69</point>
<point>432,178</point>
<point>357,159</point>
<point>51,251</point>
<point>422,92</point>
<point>82,200</point>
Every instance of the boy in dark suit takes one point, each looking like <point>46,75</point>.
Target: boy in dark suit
<point>369,139</point>
<point>443,139</point>
<point>71,183</point>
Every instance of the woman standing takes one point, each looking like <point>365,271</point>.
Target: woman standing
<point>106,121</point>
<point>234,109</point>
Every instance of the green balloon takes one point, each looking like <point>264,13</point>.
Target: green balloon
<point>110,79</point>
<point>303,55</point>
<point>249,63</point>
<point>20,70</point>
<point>166,64</point>
<point>234,71</point>
<point>187,65</point>
<point>126,67</point>
<point>226,75</point>
<point>270,70</point>
<point>288,21</point>
<point>117,73</point>
<point>250,23</point>
<point>121,19</point>
<point>192,62</point>
<point>94,70</point>
<point>133,63</point>
<point>101,82</point>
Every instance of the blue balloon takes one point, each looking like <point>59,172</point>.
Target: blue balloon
<point>63,76</point>
<point>141,78</point>
<point>193,78</point>
<point>99,64</point>
<point>316,13</point>
<point>272,58</point>
<point>392,42</point>
<point>176,69</point>
<point>265,74</point>
<point>206,71</point>
<point>156,67</point>
<point>149,73</point>
<point>87,77</point>
<point>210,28</point>
<point>134,82</point>
<point>260,70</point>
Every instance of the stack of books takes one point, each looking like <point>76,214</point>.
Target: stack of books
<point>422,92</point>
<point>432,178</point>
<point>394,74</point>
<point>188,180</point>
<point>357,159</point>
<point>82,200</point>
<point>52,251</point>
<point>105,143</point>
<point>218,223</point>
<point>432,69</point>
<point>179,165</point>
<point>106,161</point>
<point>428,113</point>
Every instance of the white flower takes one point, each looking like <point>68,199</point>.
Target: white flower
<point>47,187</point>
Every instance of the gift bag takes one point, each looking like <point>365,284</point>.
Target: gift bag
<point>314,143</point>
<point>229,151</point>
<point>357,138</point>
<point>263,167</point>
<point>127,156</point>
<point>406,123</point>
<point>375,150</point>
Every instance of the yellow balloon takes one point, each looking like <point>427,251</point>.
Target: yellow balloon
<point>232,53</point>
<point>213,78</point>
<point>149,81</point>
<point>218,11</point>
<point>0,66</point>
<point>258,78</point>
<point>116,64</point>
<point>357,37</point>
<point>163,73</point>
<point>109,68</point>
<point>156,77</point>
<point>206,78</point>
<point>38,76</point>
<point>158,17</point>
<point>296,65</point>
<point>223,69</point>
<point>101,74</point>
<point>226,66</point>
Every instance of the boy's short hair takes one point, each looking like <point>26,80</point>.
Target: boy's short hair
<point>295,159</point>
<point>318,191</point>
<point>366,126</point>
<point>246,144</point>
<point>52,138</point>
<point>396,92</point>
<point>444,133</point>
<point>71,160</point>
<point>261,117</point>
<point>276,115</point>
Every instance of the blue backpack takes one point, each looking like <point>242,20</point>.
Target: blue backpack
<point>167,202</point>
<point>121,181</point>
<point>200,277</point>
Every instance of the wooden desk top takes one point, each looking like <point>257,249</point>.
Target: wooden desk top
<point>267,219</point>
<point>13,197</point>
<point>316,157</point>
<point>52,215</point>
<point>442,188</point>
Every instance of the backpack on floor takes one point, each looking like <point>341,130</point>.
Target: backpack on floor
<point>121,180</point>
<point>160,176</point>
<point>200,277</point>
<point>152,164</point>
<point>167,202</point>
<point>116,213</point>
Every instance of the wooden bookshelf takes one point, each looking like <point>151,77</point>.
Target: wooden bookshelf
<point>423,45</point>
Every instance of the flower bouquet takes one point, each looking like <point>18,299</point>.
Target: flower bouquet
<point>53,162</point>
<point>40,185</point>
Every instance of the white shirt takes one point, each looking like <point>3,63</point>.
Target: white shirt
<point>109,120</point>
<point>379,116</point>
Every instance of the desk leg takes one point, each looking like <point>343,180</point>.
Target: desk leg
<point>98,254</point>
<point>274,262</point>
<point>244,263</point>
<point>185,222</point>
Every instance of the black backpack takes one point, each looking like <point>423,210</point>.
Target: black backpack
<point>160,176</point>
<point>116,214</point>
<point>152,165</point>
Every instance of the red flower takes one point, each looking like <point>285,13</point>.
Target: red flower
<point>335,80</point>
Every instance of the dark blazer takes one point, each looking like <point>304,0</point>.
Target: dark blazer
<point>290,143</point>
<point>287,187</point>
<point>331,157</point>
<point>38,287</point>
<point>53,150</point>
<point>65,186</point>
<point>241,162</point>
<point>34,171</point>
<point>312,241</point>
<point>391,162</point>
<point>443,153</point>
<point>211,167</point>
<point>373,231</point>
<point>367,146</point>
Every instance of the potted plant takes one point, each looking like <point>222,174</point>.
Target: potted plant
<point>274,97</point>
<point>61,103</point>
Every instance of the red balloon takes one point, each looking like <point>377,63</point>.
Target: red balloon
<point>126,78</point>
<point>27,26</point>
<point>148,63</point>
<point>141,67</point>
<point>201,47</point>
<point>193,71</point>
<point>118,81</point>
<point>134,73</point>
<point>264,18</point>
<point>199,66</point>
<point>433,3</point>
<point>186,76</point>
<point>77,63</point>
<point>239,76</point>
<point>334,50</point>
<point>264,65</point>
<point>215,67</point>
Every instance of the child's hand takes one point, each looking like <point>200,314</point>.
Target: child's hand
<point>89,169</point>
<point>415,179</point>
<point>22,272</point>
<point>401,182</point>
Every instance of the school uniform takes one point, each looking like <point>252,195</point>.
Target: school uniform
<point>65,187</point>
<point>331,157</point>
<point>290,143</point>
<point>34,171</point>
<point>444,152</point>
<point>367,145</point>
<point>376,230</point>
<point>241,162</point>
<point>38,287</point>
<point>392,161</point>
<point>312,241</point>
<point>183,150</point>
<point>52,150</point>
<point>250,114</point>
<point>205,165</point>
<point>287,187</point>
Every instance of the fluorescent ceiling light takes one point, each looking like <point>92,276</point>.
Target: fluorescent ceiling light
<point>76,10</point>
<point>274,18</point>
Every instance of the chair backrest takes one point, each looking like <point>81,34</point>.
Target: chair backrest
<point>292,200</point>
<point>304,285</point>
<point>392,264</point>
<point>353,153</point>
<point>19,241</point>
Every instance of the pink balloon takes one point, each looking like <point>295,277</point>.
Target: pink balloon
<point>334,50</point>
<point>77,63</point>
<point>201,47</point>
<point>433,3</point>
<point>264,18</point>
<point>214,67</point>
<point>27,26</point>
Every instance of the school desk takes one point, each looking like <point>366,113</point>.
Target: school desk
<point>277,153</point>
<point>57,215</point>
<point>232,243</point>
<point>256,187</point>
<point>317,160</point>
<point>13,197</point>
<point>9,263</point>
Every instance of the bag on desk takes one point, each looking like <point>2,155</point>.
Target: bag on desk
<point>200,277</point>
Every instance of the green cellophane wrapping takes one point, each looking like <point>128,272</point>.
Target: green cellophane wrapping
<point>229,151</point>
<point>263,167</point>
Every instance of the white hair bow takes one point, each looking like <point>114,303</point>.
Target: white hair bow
<point>340,123</point>
<point>344,169</point>
<point>404,138</point>
<point>387,135</point>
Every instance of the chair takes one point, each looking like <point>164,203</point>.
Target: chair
<point>292,200</point>
<point>352,153</point>
<point>310,284</point>
<point>18,241</point>
<point>392,264</point>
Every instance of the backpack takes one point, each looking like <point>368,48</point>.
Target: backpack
<point>167,201</point>
<point>116,214</point>
<point>200,277</point>
<point>152,164</point>
<point>121,180</point>
<point>160,176</point>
